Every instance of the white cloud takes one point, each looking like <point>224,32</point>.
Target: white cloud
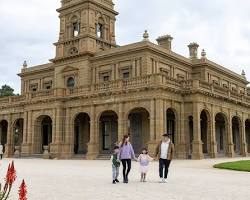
<point>29,27</point>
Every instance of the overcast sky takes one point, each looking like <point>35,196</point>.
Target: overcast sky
<point>222,27</point>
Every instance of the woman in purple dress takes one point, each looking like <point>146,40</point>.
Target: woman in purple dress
<point>126,154</point>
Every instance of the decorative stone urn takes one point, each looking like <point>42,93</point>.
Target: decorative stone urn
<point>46,152</point>
<point>17,152</point>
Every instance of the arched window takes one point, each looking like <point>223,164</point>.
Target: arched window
<point>76,29</point>
<point>99,30</point>
<point>71,82</point>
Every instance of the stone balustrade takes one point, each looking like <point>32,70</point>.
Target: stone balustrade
<point>153,80</point>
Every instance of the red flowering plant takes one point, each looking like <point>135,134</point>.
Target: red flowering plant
<point>9,180</point>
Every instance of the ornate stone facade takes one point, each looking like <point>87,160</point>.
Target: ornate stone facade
<point>93,92</point>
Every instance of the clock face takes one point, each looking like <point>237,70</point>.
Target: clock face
<point>73,50</point>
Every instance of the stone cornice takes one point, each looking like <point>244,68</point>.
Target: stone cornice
<point>217,67</point>
<point>77,3</point>
<point>37,69</point>
<point>141,46</point>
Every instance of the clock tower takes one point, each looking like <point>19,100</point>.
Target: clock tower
<point>86,27</point>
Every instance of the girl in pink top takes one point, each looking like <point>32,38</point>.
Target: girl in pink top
<point>144,160</point>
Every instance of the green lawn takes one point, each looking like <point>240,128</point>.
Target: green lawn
<point>243,165</point>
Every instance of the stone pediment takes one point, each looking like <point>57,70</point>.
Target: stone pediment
<point>69,69</point>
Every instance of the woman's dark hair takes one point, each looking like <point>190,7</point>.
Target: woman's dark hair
<point>116,147</point>
<point>145,149</point>
<point>124,140</point>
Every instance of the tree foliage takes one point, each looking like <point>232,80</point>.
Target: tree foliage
<point>6,91</point>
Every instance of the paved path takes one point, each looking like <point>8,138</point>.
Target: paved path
<point>90,180</point>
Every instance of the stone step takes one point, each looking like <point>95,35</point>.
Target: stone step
<point>32,156</point>
<point>79,157</point>
<point>103,157</point>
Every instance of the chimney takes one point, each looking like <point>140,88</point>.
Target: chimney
<point>193,50</point>
<point>165,42</point>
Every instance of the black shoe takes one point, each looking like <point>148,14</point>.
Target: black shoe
<point>116,180</point>
<point>126,180</point>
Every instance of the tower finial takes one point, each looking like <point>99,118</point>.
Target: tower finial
<point>145,36</point>
<point>243,74</point>
<point>203,54</point>
<point>25,64</point>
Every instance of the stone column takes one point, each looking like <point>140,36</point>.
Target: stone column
<point>68,140</point>
<point>25,132</point>
<point>153,120</point>
<point>121,122</point>
<point>229,133</point>
<point>1,134</point>
<point>213,145</point>
<point>93,145</point>
<point>9,147</point>
<point>155,124</point>
<point>30,132</point>
<point>197,143</point>
<point>54,126</point>
<point>57,132</point>
<point>25,127</point>
<point>182,132</point>
<point>243,142</point>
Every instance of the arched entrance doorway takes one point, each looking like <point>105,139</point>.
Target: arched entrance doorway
<point>236,134</point>
<point>43,133</point>
<point>108,131</point>
<point>139,128</point>
<point>3,133</point>
<point>221,137</point>
<point>171,124</point>
<point>81,133</point>
<point>204,131</point>
<point>247,127</point>
<point>18,132</point>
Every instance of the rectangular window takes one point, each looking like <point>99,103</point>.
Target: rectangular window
<point>125,75</point>
<point>105,78</point>
<point>47,85</point>
<point>33,87</point>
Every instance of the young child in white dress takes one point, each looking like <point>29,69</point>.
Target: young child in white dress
<point>144,160</point>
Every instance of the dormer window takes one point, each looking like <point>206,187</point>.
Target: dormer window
<point>99,30</point>
<point>76,29</point>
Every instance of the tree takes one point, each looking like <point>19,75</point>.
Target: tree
<point>6,91</point>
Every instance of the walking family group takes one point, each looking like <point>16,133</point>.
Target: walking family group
<point>124,153</point>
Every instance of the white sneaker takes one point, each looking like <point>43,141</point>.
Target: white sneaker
<point>165,180</point>
<point>161,180</point>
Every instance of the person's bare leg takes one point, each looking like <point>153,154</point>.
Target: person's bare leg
<point>141,177</point>
<point>144,177</point>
